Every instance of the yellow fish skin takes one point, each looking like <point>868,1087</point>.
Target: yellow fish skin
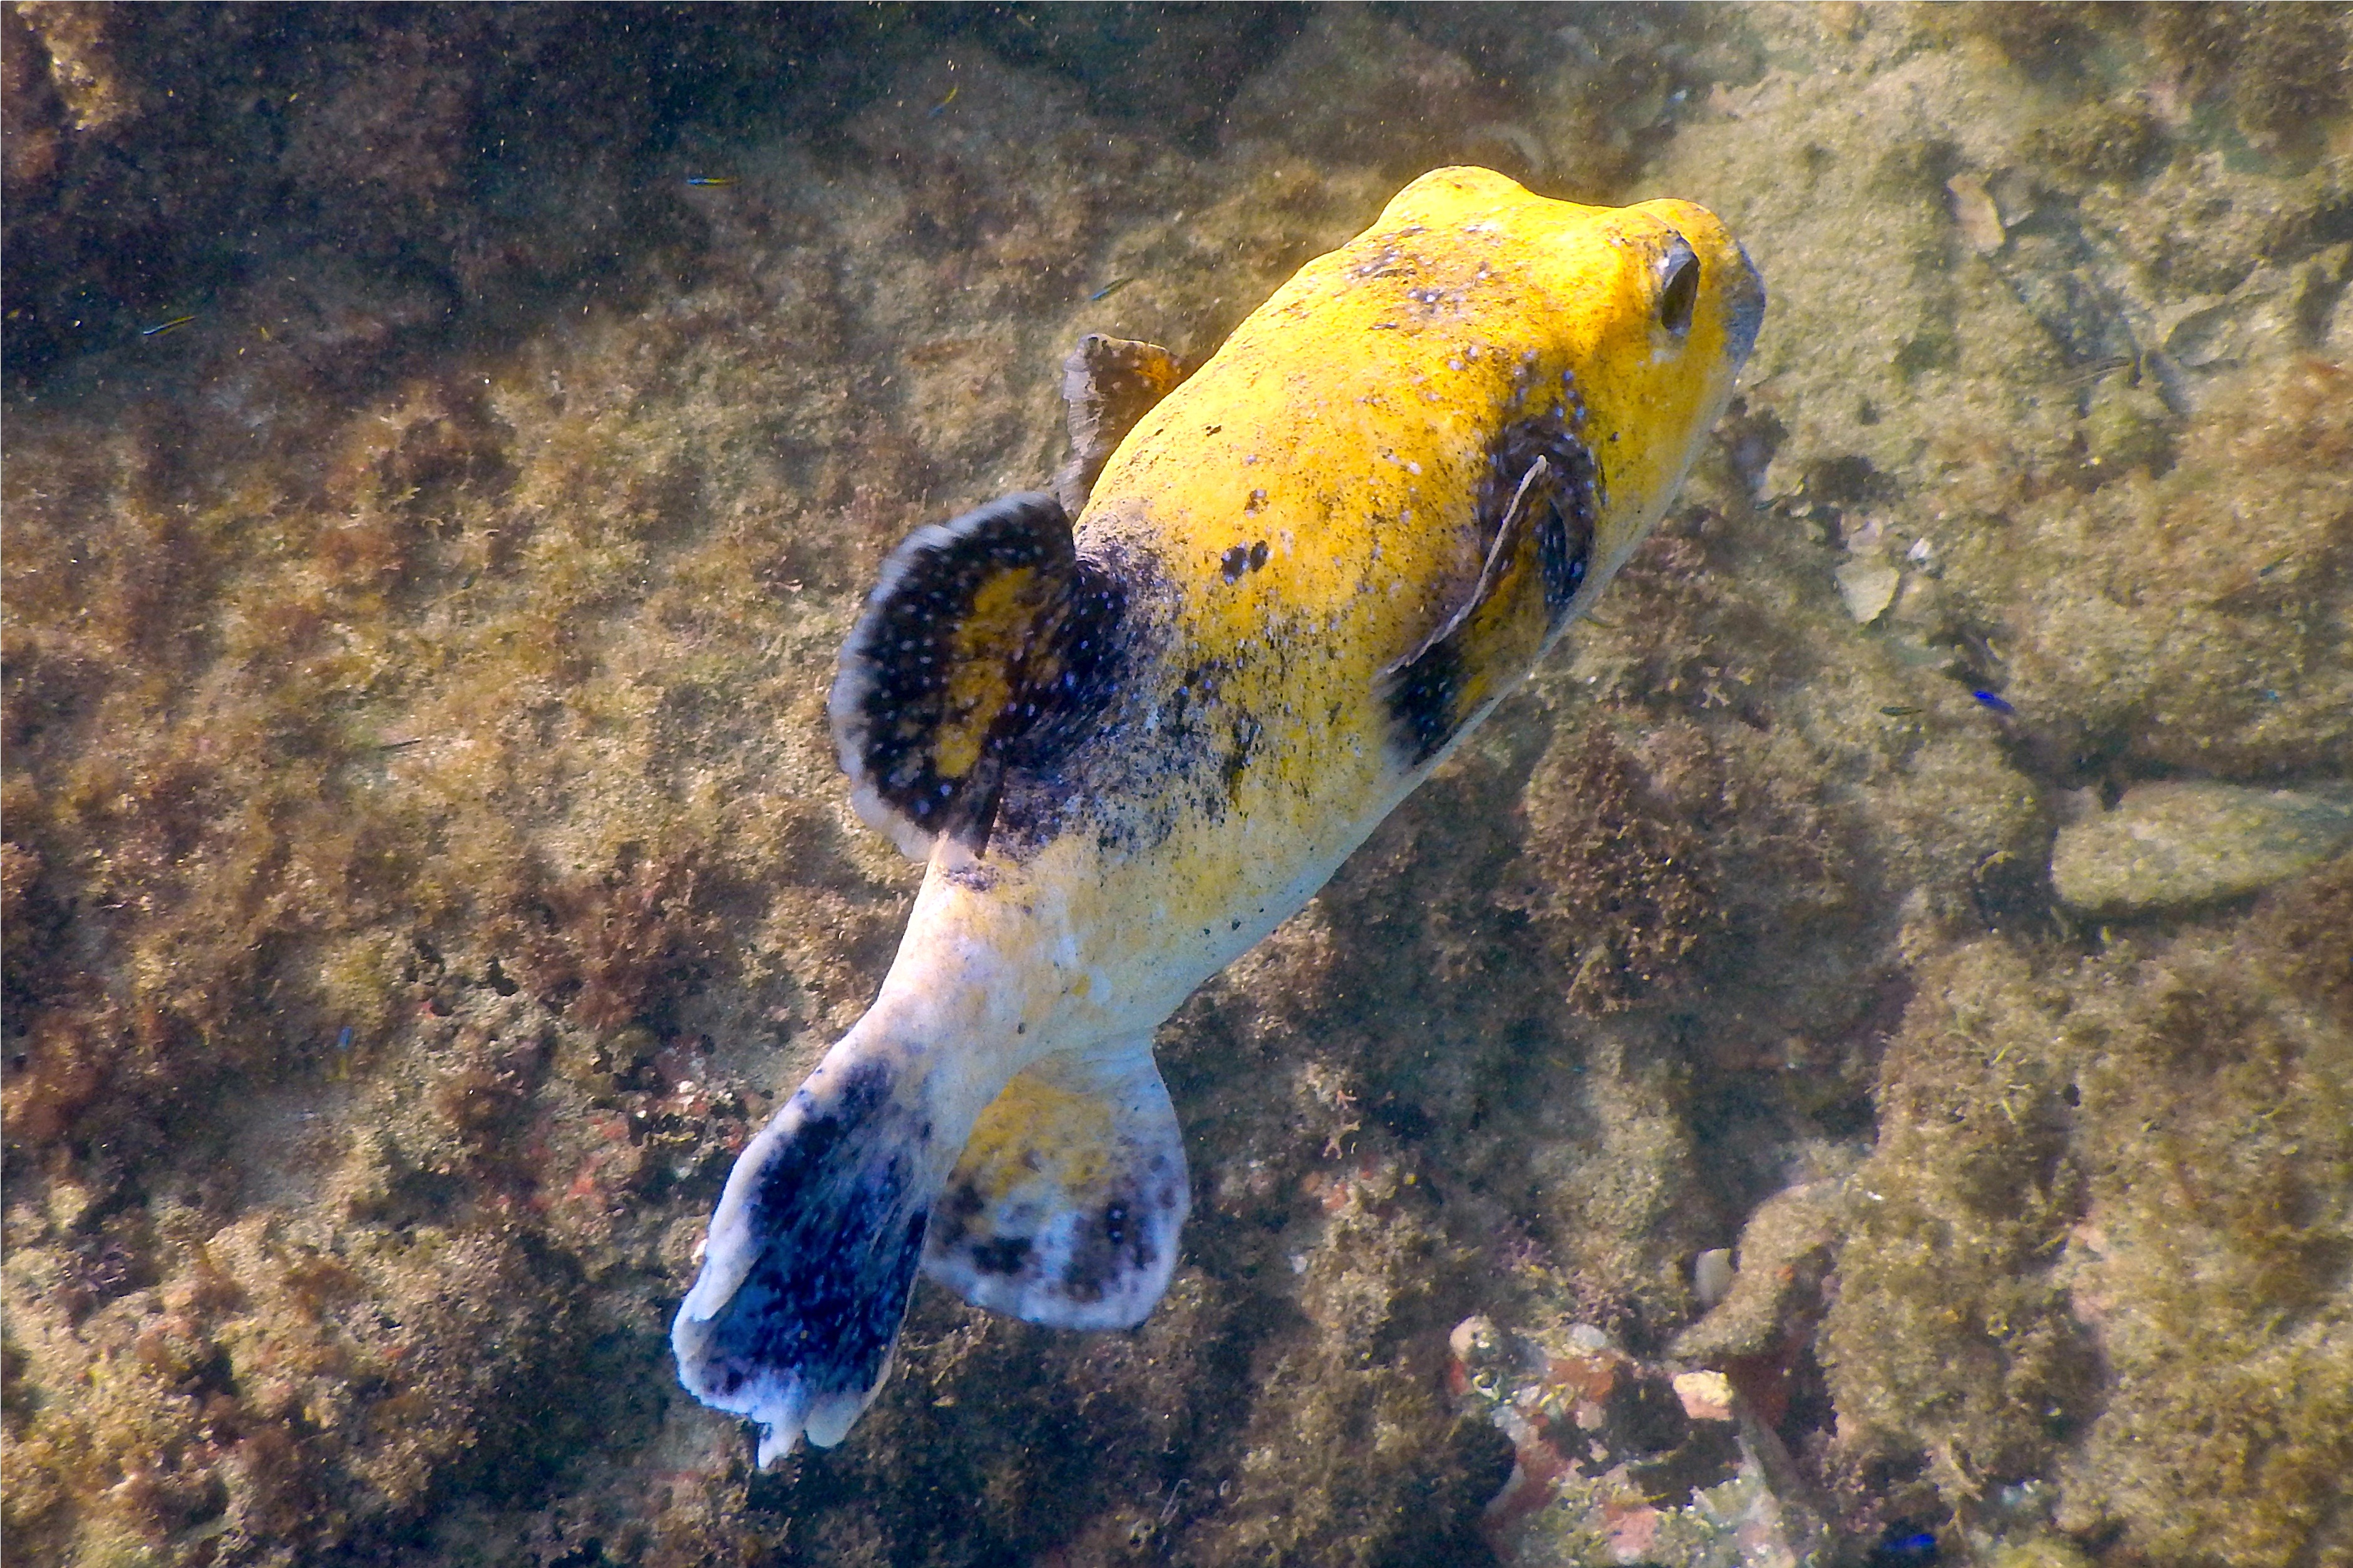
<point>1131,745</point>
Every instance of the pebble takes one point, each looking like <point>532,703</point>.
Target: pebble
<point>1712,1276</point>
<point>1705,1396</point>
<point>1868,587</point>
<point>1974,211</point>
<point>2174,846</point>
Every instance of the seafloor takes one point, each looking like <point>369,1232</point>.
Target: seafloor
<point>425,857</point>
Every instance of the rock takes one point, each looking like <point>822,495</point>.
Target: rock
<point>1712,1276</point>
<point>1478,1345</point>
<point>1785,1250</point>
<point>2127,425</point>
<point>1353,82</point>
<point>1868,587</point>
<point>1124,56</point>
<point>2172,846</point>
<point>1974,210</point>
<point>1705,1396</point>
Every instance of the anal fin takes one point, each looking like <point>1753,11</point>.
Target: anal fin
<point>1066,1204</point>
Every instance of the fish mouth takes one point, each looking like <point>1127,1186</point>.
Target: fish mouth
<point>1744,310</point>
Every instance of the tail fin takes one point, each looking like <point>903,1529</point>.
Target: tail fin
<point>1065,1205</point>
<point>1064,1209</point>
<point>813,1251</point>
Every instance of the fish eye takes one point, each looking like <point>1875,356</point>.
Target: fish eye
<point>1678,286</point>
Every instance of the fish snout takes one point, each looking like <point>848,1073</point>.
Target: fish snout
<point>1744,308</point>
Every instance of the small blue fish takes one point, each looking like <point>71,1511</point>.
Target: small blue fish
<point>710,181</point>
<point>159,328</point>
<point>1913,1548</point>
<point>1996,703</point>
<point>932,112</point>
<point>1108,289</point>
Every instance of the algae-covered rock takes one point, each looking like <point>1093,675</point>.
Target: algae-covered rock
<point>1785,1252</point>
<point>2175,846</point>
<point>2084,1247</point>
<point>2126,426</point>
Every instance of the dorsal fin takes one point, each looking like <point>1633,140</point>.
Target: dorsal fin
<point>1543,486</point>
<point>980,649</point>
<point>1108,383</point>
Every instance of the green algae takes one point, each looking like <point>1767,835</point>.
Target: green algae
<point>425,861</point>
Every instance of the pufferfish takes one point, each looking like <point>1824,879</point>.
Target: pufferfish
<point>1134,722</point>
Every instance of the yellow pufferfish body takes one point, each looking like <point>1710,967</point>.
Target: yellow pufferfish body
<point>1129,747</point>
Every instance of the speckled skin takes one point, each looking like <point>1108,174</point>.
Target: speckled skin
<point>1290,525</point>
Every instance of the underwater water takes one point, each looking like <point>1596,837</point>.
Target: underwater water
<point>1852,1063</point>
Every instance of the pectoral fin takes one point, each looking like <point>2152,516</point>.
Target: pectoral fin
<point>1065,1207</point>
<point>1108,383</point>
<point>986,646</point>
<point>1534,567</point>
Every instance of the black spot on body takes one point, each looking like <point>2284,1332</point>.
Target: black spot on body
<point>975,875</point>
<point>1425,695</point>
<point>1156,756</point>
<point>1423,703</point>
<point>957,1211</point>
<point>1573,504</point>
<point>1006,1255</point>
<point>1115,1246</point>
<point>1248,733</point>
<point>808,1155</point>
